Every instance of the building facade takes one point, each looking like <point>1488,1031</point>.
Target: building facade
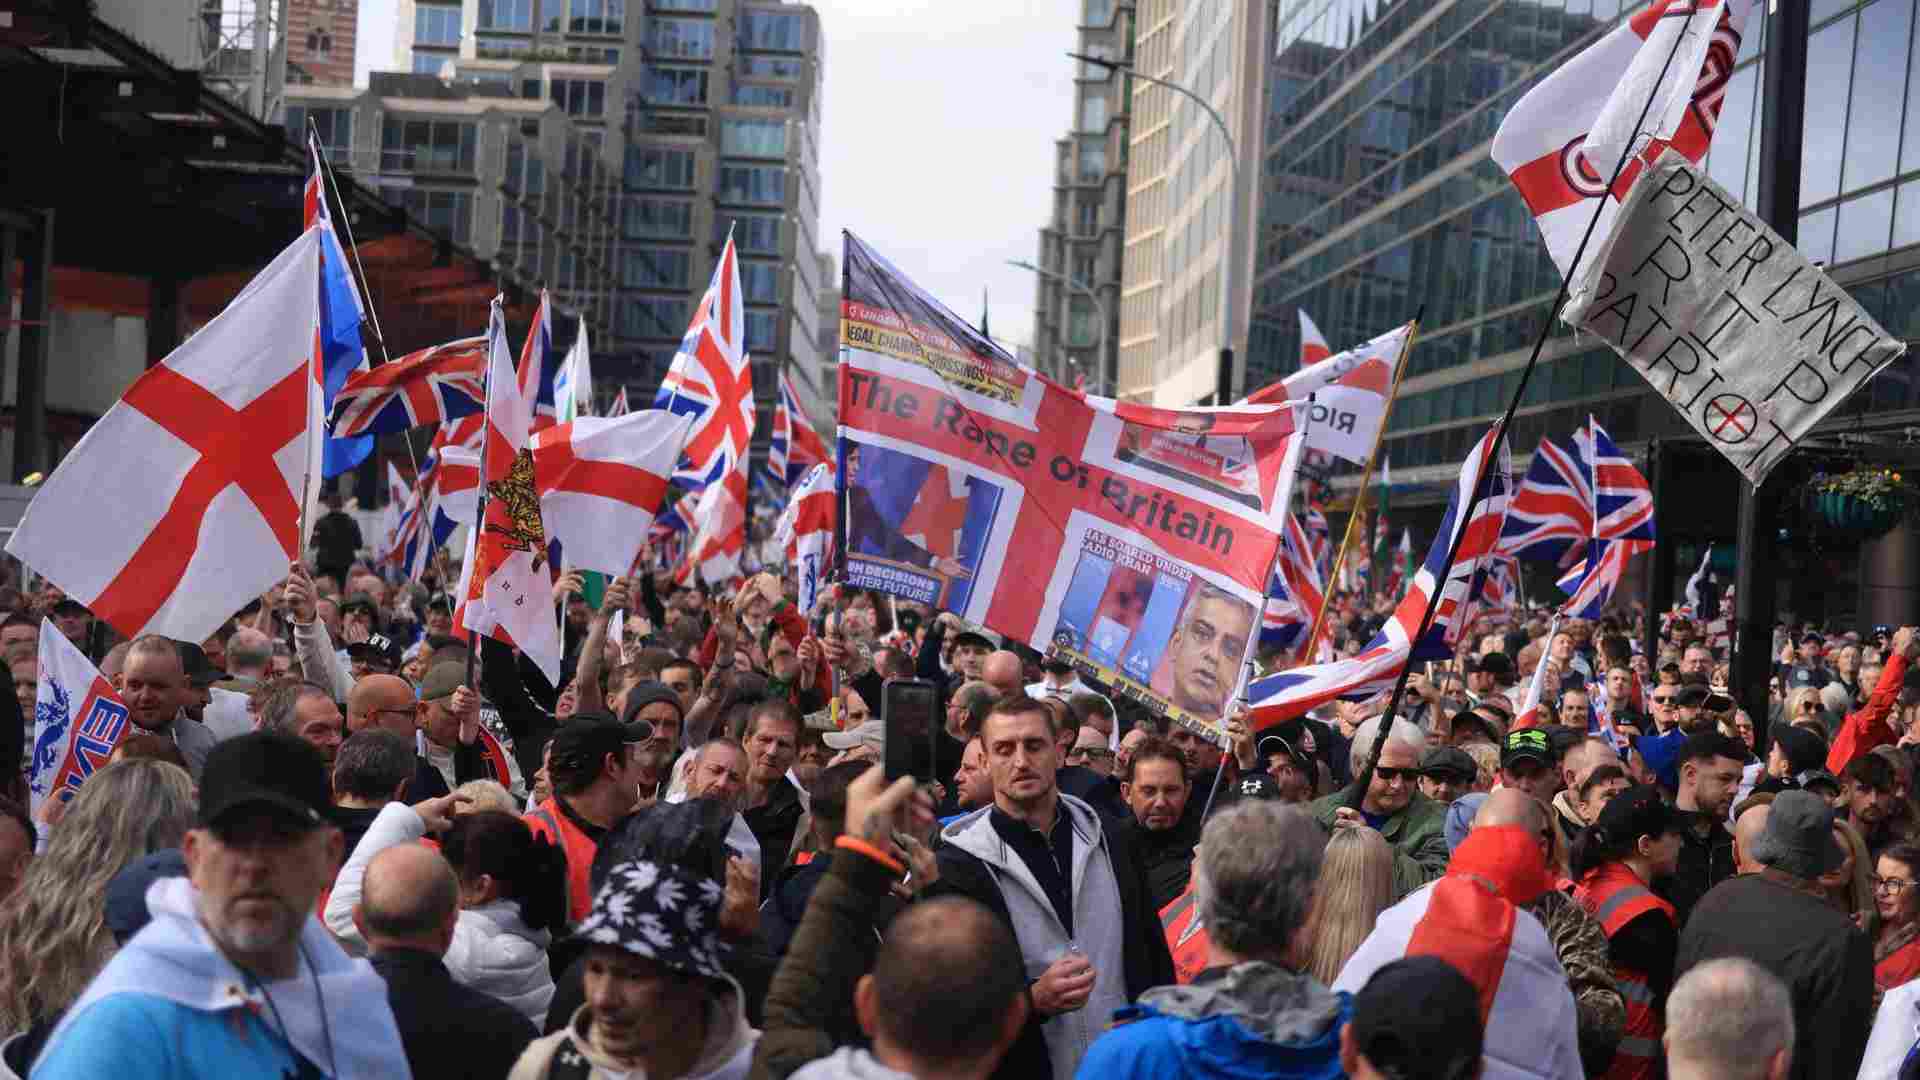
<point>320,41</point>
<point>1380,200</point>
<point>1076,331</point>
<point>1188,208</point>
<point>707,113</point>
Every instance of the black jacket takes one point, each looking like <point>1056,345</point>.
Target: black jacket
<point>1148,962</point>
<point>774,824</point>
<point>1706,860</point>
<point>1166,858</point>
<point>448,1029</point>
<point>1826,962</point>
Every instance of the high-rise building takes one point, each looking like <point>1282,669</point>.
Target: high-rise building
<point>827,333</point>
<point>1380,201</point>
<point>1076,330</point>
<point>1185,229</point>
<point>320,40</point>
<point>708,114</point>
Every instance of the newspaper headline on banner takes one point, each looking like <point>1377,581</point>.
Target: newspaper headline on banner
<point>1133,542</point>
<point>1745,336</point>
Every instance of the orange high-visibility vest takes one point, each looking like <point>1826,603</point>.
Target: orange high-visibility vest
<point>547,820</point>
<point>1615,896</point>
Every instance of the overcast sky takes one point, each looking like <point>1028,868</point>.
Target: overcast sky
<point>940,119</point>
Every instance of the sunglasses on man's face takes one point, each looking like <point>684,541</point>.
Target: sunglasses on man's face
<point>1390,775</point>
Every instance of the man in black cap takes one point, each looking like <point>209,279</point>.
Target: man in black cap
<point>234,976</point>
<point>1489,676</point>
<point>359,617</point>
<point>658,707</point>
<point>590,762</point>
<point>1416,1019</point>
<point>378,655</point>
<point>1792,752</point>
<point>1446,773</point>
<point>1527,763</point>
<point>1687,713</point>
<point>73,620</point>
<point>1292,768</point>
<point>1780,919</point>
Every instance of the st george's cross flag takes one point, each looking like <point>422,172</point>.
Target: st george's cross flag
<point>421,389</point>
<point>182,503</point>
<point>795,447</point>
<point>711,380</point>
<point>1372,671</point>
<point>1544,142</point>
<point>77,720</point>
<point>601,481</point>
<point>1313,343</point>
<point>506,587</point>
<point>804,534</point>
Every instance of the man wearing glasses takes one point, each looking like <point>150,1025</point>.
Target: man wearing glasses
<point>1090,752</point>
<point>1413,825</point>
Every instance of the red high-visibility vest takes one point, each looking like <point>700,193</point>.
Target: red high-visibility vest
<point>1615,896</point>
<point>1186,935</point>
<point>547,820</point>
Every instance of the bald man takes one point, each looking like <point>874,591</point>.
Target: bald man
<point>409,903</point>
<point>385,701</point>
<point>1511,806</point>
<point>1747,830</point>
<point>1004,672</point>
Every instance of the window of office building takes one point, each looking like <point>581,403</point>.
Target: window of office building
<point>686,39</point>
<point>751,234</point>
<point>579,97</point>
<point>760,282</point>
<point>334,127</point>
<point>1093,162</point>
<point>762,330</point>
<point>449,211</point>
<point>779,30</point>
<point>646,217</point>
<point>656,167</point>
<point>1093,112</point>
<point>594,54</point>
<point>426,145</point>
<point>595,16</point>
<point>430,63</point>
<point>681,5</point>
<point>775,97</point>
<point>753,184</point>
<point>505,15</point>
<point>436,24</point>
<point>768,67</point>
<point>674,86</point>
<point>1099,13</point>
<point>653,317</point>
<point>654,268</point>
<point>753,138</point>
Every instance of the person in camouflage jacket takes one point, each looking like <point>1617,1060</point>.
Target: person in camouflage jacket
<point>1582,947</point>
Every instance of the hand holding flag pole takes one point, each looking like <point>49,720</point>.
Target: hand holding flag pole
<point>1358,791</point>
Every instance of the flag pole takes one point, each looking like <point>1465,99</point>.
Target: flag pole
<point>480,505</point>
<point>1358,791</point>
<point>1360,492</point>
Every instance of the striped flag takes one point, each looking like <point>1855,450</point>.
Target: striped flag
<point>1622,525</point>
<point>711,380</point>
<point>341,350</point>
<point>1529,714</point>
<point>1553,508</point>
<point>1373,670</point>
<point>1296,595</point>
<point>805,534</point>
<point>432,386</point>
<point>1313,343</point>
<point>794,447</point>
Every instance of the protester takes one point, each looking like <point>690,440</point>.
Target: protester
<point>154,686</point>
<point>53,936</point>
<point>794,884</point>
<point>1446,773</point>
<point>1730,1019</point>
<point>1414,1020</point>
<point>17,839</point>
<point>1046,863</point>
<point>372,768</point>
<point>1412,824</point>
<point>1634,840</point>
<point>590,762</point>
<point>1896,892</point>
<point>1709,779</point>
<point>1157,793</point>
<point>1249,1012</point>
<point>1869,794</point>
<point>1777,919</point>
<point>408,915</point>
<point>233,976</point>
<point>771,803</point>
<point>1355,886</point>
<point>305,710</point>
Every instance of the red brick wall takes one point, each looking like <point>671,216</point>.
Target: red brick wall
<point>331,20</point>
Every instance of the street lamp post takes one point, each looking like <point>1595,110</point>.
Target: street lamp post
<point>1099,313</point>
<point>1223,392</point>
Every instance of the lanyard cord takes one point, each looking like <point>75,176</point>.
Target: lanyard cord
<point>326,1029</point>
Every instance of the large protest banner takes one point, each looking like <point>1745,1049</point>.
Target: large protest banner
<point>1134,542</point>
<point>1749,340</point>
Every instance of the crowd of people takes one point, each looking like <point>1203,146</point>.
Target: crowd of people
<point>342,838</point>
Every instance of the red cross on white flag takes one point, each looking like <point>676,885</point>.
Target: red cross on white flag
<point>601,480</point>
<point>183,502</point>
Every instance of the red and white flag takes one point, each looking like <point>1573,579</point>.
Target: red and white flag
<point>1350,394</point>
<point>1313,343</point>
<point>619,406</point>
<point>506,588</point>
<point>388,546</point>
<point>183,502</point>
<point>1543,144</point>
<point>720,536</point>
<point>601,480</point>
<point>77,720</point>
<point>1529,715</point>
<point>805,533</point>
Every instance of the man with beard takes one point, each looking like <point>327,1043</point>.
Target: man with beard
<point>1868,800</point>
<point>234,977</point>
<point>1710,766</point>
<point>1206,652</point>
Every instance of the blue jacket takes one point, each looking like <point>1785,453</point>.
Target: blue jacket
<point>1249,1021</point>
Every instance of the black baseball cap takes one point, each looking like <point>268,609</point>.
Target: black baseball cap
<point>360,602</point>
<point>377,647</point>
<point>970,637</point>
<point>1449,762</point>
<point>1524,744</point>
<point>1804,750</point>
<point>1493,663</point>
<point>1691,696</point>
<point>268,771</point>
<point>1418,1018</point>
<point>583,742</point>
<point>1273,742</point>
<point>200,671</point>
<point>440,602</point>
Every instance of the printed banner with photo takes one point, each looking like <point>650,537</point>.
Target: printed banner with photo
<point>1134,541</point>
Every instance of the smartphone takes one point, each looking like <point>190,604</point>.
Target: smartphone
<point>909,716</point>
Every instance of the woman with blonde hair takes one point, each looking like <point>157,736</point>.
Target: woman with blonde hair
<point>53,931</point>
<point>1356,885</point>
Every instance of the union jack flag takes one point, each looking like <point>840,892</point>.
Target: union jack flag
<point>1553,508</point>
<point>1622,525</point>
<point>1373,670</point>
<point>537,355</point>
<point>711,380</point>
<point>1296,595</point>
<point>1320,538</point>
<point>794,446</point>
<point>432,386</point>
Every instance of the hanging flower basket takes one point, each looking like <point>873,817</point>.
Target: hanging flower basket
<point>1861,503</point>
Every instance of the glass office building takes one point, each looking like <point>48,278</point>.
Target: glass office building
<point>1379,200</point>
